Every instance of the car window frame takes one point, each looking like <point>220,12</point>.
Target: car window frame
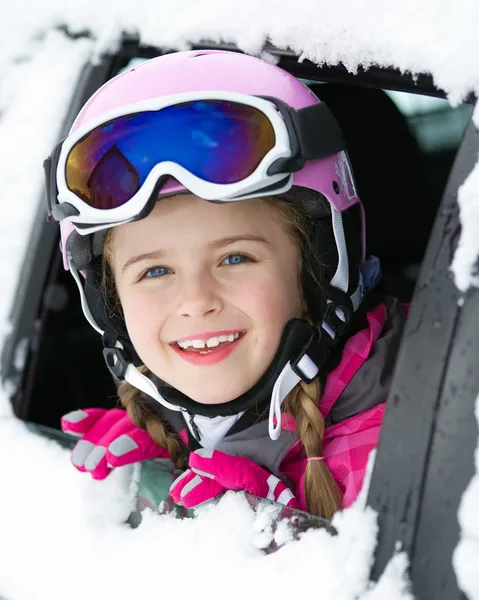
<point>405,502</point>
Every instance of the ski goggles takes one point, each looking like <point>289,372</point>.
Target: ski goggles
<point>220,146</point>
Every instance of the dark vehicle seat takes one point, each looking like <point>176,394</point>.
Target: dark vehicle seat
<point>387,165</point>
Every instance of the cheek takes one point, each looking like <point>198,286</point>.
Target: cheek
<point>142,318</point>
<point>273,301</point>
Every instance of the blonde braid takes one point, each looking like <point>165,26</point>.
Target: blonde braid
<point>143,417</point>
<point>322,493</point>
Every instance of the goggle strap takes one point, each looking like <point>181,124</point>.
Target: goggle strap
<point>314,134</point>
<point>318,132</point>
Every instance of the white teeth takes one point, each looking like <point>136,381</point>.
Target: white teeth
<point>210,343</point>
<point>194,343</point>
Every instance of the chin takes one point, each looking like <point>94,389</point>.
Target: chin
<point>214,397</point>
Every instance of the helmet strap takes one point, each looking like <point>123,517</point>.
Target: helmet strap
<point>122,368</point>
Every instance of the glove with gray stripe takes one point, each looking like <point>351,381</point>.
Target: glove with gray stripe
<point>212,472</point>
<point>108,439</point>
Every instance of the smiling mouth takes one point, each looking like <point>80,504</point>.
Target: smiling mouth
<point>209,345</point>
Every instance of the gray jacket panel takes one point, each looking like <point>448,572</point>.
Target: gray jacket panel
<point>371,383</point>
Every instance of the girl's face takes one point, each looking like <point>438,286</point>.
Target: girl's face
<point>206,290</point>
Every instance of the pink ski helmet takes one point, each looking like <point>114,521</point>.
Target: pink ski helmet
<point>329,178</point>
<point>216,70</point>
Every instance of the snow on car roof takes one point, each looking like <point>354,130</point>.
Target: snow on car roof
<point>59,522</point>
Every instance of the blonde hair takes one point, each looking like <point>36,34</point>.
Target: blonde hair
<point>322,494</point>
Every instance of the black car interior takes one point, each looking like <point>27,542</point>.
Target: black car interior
<point>400,185</point>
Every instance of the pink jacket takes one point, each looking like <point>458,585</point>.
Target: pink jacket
<point>346,444</point>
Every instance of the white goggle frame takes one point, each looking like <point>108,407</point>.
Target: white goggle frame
<point>250,187</point>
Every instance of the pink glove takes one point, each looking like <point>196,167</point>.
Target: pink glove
<point>212,472</point>
<point>109,439</point>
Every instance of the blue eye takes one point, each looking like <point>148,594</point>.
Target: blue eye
<point>236,259</point>
<point>155,272</point>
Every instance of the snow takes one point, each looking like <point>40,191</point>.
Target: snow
<point>467,551</point>
<point>465,264</point>
<point>62,534</point>
<point>33,98</point>
<point>68,540</point>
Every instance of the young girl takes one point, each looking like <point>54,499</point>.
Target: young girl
<point>207,199</point>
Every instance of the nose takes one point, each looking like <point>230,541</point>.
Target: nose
<point>199,296</point>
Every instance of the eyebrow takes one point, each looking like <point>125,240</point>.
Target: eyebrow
<point>216,244</point>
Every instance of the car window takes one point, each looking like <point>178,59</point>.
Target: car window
<point>435,123</point>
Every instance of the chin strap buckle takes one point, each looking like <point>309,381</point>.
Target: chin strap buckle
<point>116,362</point>
<point>335,321</point>
<point>305,365</point>
<point>114,354</point>
<point>123,369</point>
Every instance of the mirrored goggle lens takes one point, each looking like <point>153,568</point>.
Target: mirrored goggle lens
<point>219,142</point>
